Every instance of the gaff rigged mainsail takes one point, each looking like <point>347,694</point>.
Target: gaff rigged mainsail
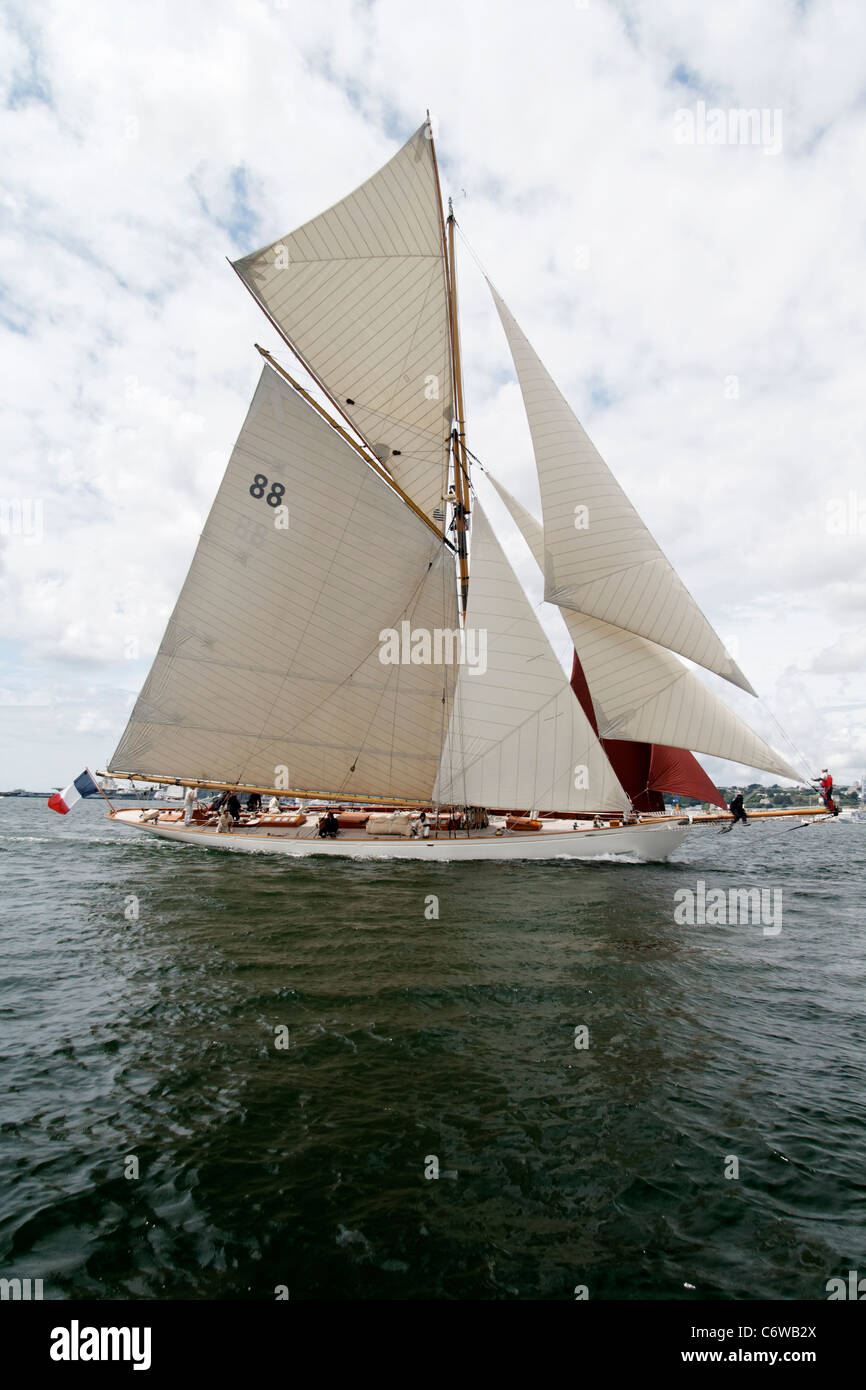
<point>272,657</point>
<point>360,293</point>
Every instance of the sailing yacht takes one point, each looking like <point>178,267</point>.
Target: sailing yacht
<point>351,634</point>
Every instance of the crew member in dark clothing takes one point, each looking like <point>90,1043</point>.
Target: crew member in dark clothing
<point>254,803</point>
<point>233,806</point>
<point>219,802</point>
<point>328,827</point>
<point>737,810</point>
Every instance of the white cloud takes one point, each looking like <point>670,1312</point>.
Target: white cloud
<point>146,143</point>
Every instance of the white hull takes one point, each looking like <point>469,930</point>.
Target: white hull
<point>640,842</point>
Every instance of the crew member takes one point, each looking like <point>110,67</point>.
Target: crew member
<point>233,806</point>
<point>328,827</point>
<point>826,784</point>
<point>738,811</point>
<point>189,801</point>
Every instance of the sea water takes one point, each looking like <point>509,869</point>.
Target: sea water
<point>243,1077</point>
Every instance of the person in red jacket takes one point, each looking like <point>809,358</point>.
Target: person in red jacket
<point>826,783</point>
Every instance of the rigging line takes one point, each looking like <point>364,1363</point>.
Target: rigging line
<point>367,453</point>
<point>476,258</point>
<point>456,748</point>
<point>774,833</point>
<point>414,600</point>
<point>475,459</point>
<point>455,726</point>
<point>626,567</point>
<point>412,604</point>
<point>303,361</point>
<point>337,688</point>
<point>349,427</point>
<point>435,795</point>
<point>803,760</point>
<point>463,469</point>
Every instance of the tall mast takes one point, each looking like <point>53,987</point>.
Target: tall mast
<point>458,436</point>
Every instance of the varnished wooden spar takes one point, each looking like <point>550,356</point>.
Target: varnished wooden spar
<point>369,459</point>
<point>300,356</point>
<point>461,488</point>
<point>710,817</point>
<point>103,795</point>
<point>305,793</point>
<point>458,446</point>
<point>461,463</point>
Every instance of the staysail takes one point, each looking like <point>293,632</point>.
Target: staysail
<point>678,772</point>
<point>600,559</point>
<point>518,737</point>
<point>272,658</point>
<point>360,293</point>
<point>643,693</point>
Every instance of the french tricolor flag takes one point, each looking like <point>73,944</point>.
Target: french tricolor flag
<point>84,785</point>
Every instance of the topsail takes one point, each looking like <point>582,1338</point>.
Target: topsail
<point>360,293</point>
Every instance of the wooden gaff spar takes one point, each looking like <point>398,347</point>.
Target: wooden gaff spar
<point>327,643</point>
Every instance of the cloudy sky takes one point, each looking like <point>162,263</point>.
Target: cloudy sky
<point>701,302</point>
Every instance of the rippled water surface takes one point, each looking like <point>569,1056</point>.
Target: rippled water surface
<point>413,1037</point>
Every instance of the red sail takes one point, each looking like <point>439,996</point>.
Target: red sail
<point>678,771</point>
<point>645,770</point>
